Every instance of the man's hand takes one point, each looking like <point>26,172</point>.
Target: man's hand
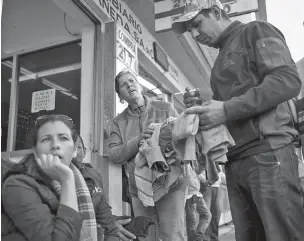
<point>124,234</point>
<point>192,98</point>
<point>211,113</point>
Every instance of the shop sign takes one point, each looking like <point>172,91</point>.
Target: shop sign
<point>126,49</point>
<point>160,56</point>
<point>43,100</point>
<point>167,10</point>
<point>118,11</point>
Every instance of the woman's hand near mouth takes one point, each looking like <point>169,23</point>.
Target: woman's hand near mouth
<point>54,168</point>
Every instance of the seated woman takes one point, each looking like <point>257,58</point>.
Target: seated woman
<point>51,197</point>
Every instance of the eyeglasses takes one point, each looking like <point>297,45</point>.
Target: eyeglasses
<point>42,119</point>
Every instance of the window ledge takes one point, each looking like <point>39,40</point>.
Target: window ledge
<point>12,154</point>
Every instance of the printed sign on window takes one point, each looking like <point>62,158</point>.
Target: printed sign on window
<point>43,100</point>
<point>126,49</point>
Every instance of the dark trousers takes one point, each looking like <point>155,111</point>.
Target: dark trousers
<point>213,200</point>
<point>265,198</point>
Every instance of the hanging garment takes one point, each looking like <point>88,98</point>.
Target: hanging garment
<point>205,147</point>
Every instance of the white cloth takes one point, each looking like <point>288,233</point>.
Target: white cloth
<point>214,142</point>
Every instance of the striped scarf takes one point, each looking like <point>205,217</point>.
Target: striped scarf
<point>85,205</point>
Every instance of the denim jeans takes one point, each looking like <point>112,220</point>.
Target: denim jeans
<point>168,214</point>
<point>265,198</point>
<point>196,230</point>
<point>213,200</point>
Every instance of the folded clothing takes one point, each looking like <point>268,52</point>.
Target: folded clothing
<point>165,141</point>
<point>183,136</point>
<point>215,142</point>
<point>154,176</point>
<point>206,148</point>
<point>149,153</point>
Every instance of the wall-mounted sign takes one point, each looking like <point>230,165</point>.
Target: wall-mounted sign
<point>167,10</point>
<point>118,11</point>
<point>126,49</point>
<point>43,100</point>
<point>160,57</point>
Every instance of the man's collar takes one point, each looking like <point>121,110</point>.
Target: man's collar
<point>228,33</point>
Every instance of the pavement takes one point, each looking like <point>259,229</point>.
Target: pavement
<point>226,232</point>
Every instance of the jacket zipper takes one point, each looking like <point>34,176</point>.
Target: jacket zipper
<point>257,132</point>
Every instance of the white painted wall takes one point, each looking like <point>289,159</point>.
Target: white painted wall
<point>30,23</point>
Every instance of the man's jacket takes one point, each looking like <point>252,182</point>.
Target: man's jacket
<point>34,207</point>
<point>255,75</point>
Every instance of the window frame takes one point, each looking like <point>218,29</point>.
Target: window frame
<point>13,104</point>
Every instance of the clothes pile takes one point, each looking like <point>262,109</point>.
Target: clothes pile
<point>174,150</point>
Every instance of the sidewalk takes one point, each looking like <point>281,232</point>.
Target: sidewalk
<point>226,232</point>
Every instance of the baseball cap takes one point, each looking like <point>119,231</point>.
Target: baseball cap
<point>191,9</point>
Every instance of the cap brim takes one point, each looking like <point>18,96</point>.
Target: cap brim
<point>179,28</point>
<point>179,25</point>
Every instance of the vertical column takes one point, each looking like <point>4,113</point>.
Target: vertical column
<point>111,173</point>
<point>262,13</point>
<point>87,88</point>
<point>13,107</point>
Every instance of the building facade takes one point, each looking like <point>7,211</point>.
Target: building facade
<point>60,57</point>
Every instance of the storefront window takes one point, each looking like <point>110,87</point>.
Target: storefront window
<point>49,83</point>
<point>6,76</point>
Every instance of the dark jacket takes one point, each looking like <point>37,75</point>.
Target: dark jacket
<point>255,75</point>
<point>35,209</point>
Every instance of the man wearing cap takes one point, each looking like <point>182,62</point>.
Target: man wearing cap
<point>252,78</point>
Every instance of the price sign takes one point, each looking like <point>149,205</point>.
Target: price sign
<point>127,58</point>
<point>126,50</point>
<point>43,100</point>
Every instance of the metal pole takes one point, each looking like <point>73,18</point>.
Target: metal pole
<point>13,109</point>
<point>262,13</point>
